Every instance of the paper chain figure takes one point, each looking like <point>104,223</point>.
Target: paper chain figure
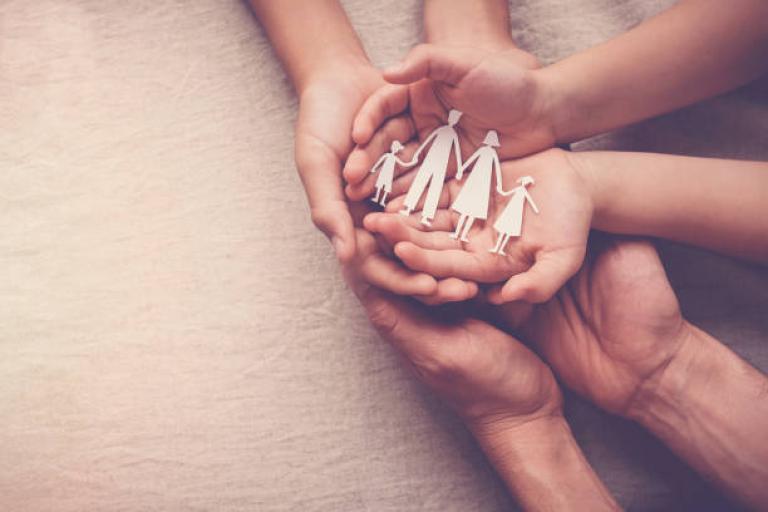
<point>386,167</point>
<point>510,222</point>
<point>472,201</point>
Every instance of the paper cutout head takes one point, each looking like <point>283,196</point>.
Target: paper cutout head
<point>453,117</point>
<point>526,180</point>
<point>492,139</point>
<point>396,147</point>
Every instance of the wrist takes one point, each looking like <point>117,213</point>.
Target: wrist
<point>483,24</point>
<point>543,465</point>
<point>561,108</point>
<point>664,396</point>
<point>348,65</point>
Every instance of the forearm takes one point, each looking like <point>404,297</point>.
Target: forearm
<point>543,466</point>
<point>711,408</point>
<point>309,36</point>
<point>714,203</point>
<point>482,23</point>
<point>694,50</point>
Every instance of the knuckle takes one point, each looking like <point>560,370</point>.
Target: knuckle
<point>322,217</point>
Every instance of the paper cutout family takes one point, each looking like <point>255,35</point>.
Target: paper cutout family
<point>472,201</point>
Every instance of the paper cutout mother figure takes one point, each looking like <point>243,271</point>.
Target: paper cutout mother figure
<point>510,222</point>
<point>386,167</point>
<point>434,168</point>
<point>472,201</point>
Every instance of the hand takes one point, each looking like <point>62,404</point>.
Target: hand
<point>492,380</point>
<point>537,264</point>
<point>373,265</point>
<point>499,90</point>
<point>612,328</point>
<point>510,101</point>
<point>326,110</point>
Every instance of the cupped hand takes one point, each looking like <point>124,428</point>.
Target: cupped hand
<point>612,328</point>
<point>549,251</point>
<point>495,88</point>
<point>323,142</point>
<point>487,376</point>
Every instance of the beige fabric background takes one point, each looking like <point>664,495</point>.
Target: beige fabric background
<point>174,334</point>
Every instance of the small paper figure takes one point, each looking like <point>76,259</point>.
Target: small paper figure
<point>434,168</point>
<point>386,167</point>
<point>472,201</point>
<point>510,222</point>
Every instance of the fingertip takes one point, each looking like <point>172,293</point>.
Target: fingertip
<point>361,132</point>
<point>355,166</point>
<point>425,284</point>
<point>472,289</point>
<point>345,249</point>
<point>371,221</point>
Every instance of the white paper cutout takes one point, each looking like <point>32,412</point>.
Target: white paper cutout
<point>433,168</point>
<point>472,201</point>
<point>510,222</point>
<point>386,167</point>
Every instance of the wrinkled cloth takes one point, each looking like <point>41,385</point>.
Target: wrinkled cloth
<point>175,334</point>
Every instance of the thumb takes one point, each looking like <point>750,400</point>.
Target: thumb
<point>540,282</point>
<point>447,65</point>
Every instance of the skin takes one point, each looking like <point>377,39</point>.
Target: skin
<point>627,79</point>
<point>615,334</point>
<point>549,252</point>
<point>505,394</point>
<point>332,81</point>
<point>713,203</point>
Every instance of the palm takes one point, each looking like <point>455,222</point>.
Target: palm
<point>556,237</point>
<point>612,326</point>
<point>485,374</point>
<point>499,93</point>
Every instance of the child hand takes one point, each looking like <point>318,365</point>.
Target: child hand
<point>372,265</point>
<point>549,251</point>
<point>416,109</point>
<point>499,90</point>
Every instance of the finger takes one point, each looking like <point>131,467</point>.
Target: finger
<point>401,186</point>
<point>442,263</point>
<point>447,65</point>
<point>444,221</point>
<point>542,281</point>
<point>450,290</point>
<point>388,101</point>
<point>359,163</point>
<point>386,274</point>
<point>320,172</point>
<point>396,228</point>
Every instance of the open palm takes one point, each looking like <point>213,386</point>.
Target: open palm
<point>549,251</point>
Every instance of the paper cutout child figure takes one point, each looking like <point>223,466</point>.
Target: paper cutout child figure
<point>434,168</point>
<point>472,201</point>
<point>386,167</point>
<point>510,222</point>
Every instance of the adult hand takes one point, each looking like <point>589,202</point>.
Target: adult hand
<point>505,394</point>
<point>486,375</point>
<point>614,326</point>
